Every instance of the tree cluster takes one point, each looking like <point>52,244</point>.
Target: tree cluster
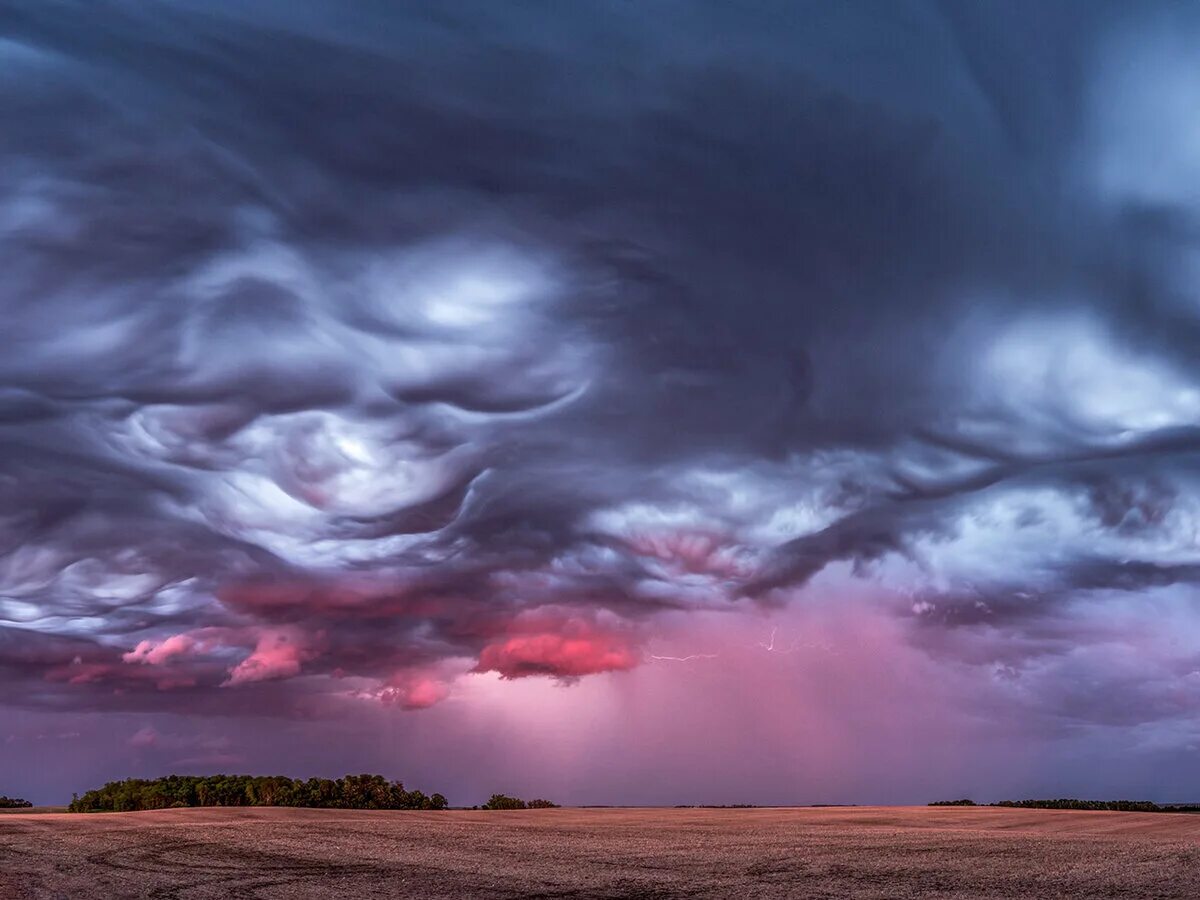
<point>1071,803</point>
<point>14,803</point>
<point>502,801</point>
<point>350,792</point>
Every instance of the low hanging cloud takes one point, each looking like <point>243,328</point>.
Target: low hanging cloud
<point>560,646</point>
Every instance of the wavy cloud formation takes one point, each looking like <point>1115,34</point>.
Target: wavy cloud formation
<point>350,359</point>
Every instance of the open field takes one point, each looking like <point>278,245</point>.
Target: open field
<point>878,852</point>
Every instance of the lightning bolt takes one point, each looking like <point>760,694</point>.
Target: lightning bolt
<point>687,658</point>
<point>770,645</point>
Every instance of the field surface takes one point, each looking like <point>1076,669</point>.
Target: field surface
<point>885,852</point>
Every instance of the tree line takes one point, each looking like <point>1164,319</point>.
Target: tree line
<point>1072,803</point>
<point>350,792</point>
<point>14,803</point>
<point>502,801</point>
<point>172,791</point>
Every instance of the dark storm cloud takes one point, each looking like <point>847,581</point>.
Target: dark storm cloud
<point>387,343</point>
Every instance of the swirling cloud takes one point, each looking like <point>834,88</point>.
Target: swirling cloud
<point>389,360</point>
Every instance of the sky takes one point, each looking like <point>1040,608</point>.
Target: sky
<point>619,402</point>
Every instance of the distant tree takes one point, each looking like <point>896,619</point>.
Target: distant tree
<point>416,800</point>
<point>1071,803</point>
<point>502,801</point>
<point>14,803</point>
<point>350,792</point>
<point>963,802</point>
<point>366,792</point>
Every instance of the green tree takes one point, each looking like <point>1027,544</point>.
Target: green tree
<point>503,801</point>
<point>351,792</point>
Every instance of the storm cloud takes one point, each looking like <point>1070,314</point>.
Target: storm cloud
<point>352,354</point>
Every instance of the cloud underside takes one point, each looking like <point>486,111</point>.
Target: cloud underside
<point>351,359</point>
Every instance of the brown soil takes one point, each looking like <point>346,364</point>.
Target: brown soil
<point>882,852</point>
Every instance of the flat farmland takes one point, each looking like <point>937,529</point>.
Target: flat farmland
<point>859,852</point>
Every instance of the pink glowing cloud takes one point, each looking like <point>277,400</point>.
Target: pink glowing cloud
<point>414,690</point>
<point>79,672</point>
<point>543,644</point>
<point>543,639</point>
<point>275,653</point>
<point>158,652</point>
<point>278,654</point>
